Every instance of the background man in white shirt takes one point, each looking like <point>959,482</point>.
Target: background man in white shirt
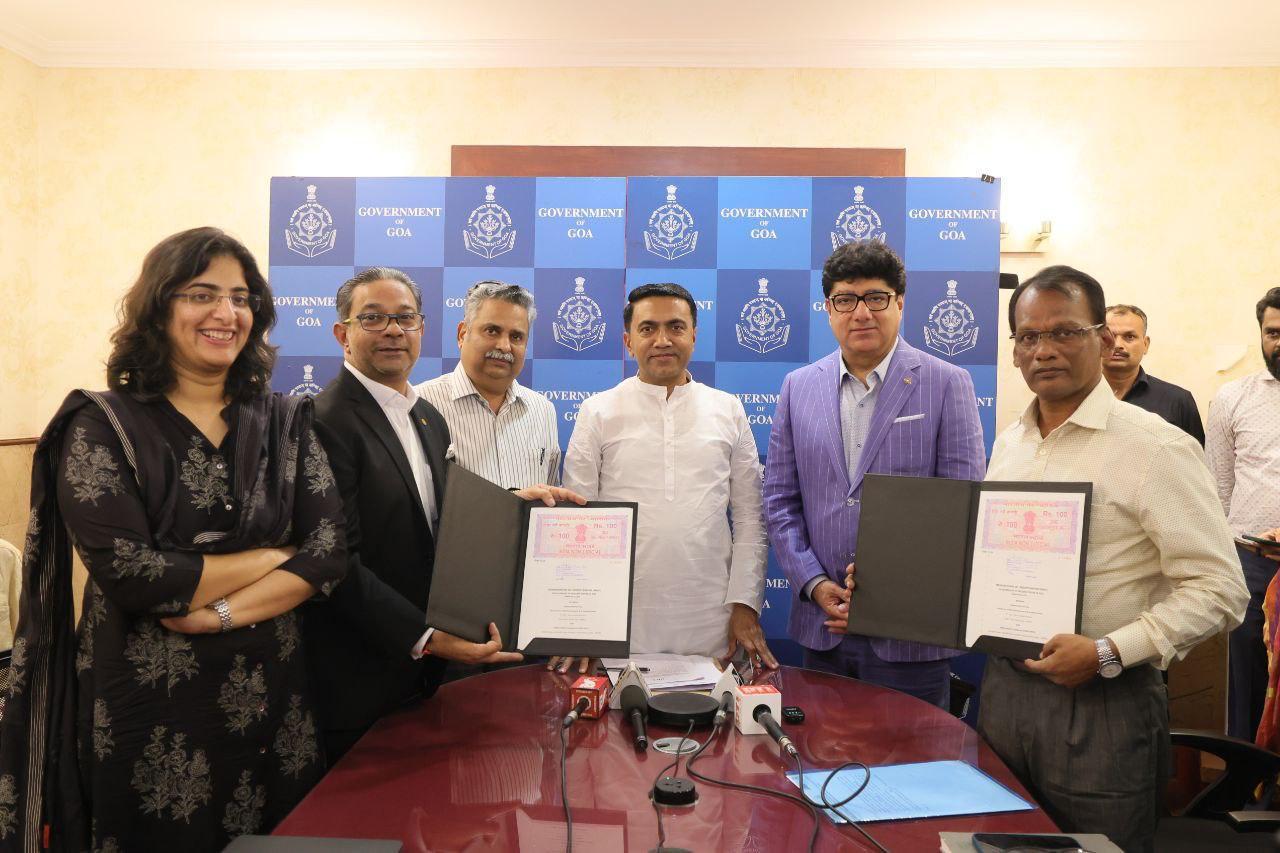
<point>685,453</point>
<point>1086,725</point>
<point>501,430</point>
<point>1243,449</point>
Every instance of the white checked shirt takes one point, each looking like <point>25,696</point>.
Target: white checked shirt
<point>1162,572</point>
<point>1242,445</point>
<point>516,448</point>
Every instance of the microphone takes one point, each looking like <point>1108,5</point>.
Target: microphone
<point>636,707</point>
<point>764,717</point>
<point>572,717</point>
<point>724,692</point>
<point>589,695</point>
<point>633,699</point>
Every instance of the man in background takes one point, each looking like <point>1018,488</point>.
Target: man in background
<point>1243,451</point>
<point>1122,367</point>
<point>501,430</point>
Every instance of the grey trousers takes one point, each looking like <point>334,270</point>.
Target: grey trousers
<point>1096,758</point>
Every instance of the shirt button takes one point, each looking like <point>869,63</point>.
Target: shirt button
<point>228,506</point>
<point>262,709</point>
<point>860,405</point>
<point>262,750</point>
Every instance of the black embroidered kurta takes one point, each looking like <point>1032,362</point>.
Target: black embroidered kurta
<point>186,741</point>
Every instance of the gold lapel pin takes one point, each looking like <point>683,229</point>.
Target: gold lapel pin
<point>422,421</point>
<point>906,380</point>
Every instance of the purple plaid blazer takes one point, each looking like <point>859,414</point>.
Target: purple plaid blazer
<point>925,424</point>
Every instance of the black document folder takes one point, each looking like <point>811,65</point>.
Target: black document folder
<point>478,575</point>
<point>916,539</point>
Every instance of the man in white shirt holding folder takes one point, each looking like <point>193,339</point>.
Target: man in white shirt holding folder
<point>685,453</point>
<point>1085,726</point>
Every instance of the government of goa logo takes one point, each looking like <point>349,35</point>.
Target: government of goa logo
<point>669,233</point>
<point>579,322</point>
<point>951,329</point>
<point>858,221</point>
<point>310,230</point>
<point>307,385</point>
<point>762,325</point>
<point>489,231</point>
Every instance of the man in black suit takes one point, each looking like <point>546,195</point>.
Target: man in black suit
<point>369,647</point>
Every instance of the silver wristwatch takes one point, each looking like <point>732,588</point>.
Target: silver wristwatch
<point>1109,665</point>
<point>223,610</point>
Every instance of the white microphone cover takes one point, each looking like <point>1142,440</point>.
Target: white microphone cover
<point>629,676</point>
<point>728,683</point>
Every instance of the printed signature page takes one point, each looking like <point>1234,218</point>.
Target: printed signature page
<point>577,574</point>
<point>1025,578</point>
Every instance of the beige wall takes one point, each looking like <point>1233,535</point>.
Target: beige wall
<point>1162,183</point>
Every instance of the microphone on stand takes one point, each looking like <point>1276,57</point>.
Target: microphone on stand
<point>765,718</point>
<point>633,698</point>
<point>724,693</point>
<point>578,709</point>
<point>590,696</point>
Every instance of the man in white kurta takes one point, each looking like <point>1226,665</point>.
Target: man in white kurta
<point>685,453</point>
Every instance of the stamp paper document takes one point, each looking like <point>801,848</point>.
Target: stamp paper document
<point>577,578</point>
<point>1025,580</point>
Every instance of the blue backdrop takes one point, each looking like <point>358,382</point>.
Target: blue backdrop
<point>750,250</point>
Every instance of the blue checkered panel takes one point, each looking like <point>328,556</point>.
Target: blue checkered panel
<point>750,250</point>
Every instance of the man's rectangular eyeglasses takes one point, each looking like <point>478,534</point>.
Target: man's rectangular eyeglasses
<point>877,300</point>
<point>1030,339</point>
<point>207,299</point>
<point>376,321</point>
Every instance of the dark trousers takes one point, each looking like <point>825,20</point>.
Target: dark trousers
<point>1247,680</point>
<point>1096,758</point>
<point>928,680</point>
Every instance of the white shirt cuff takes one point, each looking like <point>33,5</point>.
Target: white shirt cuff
<point>420,646</point>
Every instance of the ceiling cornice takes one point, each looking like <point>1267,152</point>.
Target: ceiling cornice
<point>623,53</point>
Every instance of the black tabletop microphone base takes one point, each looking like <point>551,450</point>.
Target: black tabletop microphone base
<point>678,710</point>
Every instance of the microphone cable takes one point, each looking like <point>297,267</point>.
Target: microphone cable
<point>835,807</point>
<point>757,789</point>
<point>662,833</point>
<point>564,789</point>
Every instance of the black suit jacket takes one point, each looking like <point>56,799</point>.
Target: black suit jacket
<point>358,642</point>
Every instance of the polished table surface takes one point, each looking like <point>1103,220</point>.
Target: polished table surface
<point>476,767</point>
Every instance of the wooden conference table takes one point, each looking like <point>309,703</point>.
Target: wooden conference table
<point>477,768</point>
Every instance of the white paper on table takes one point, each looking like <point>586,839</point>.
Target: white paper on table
<point>668,672</point>
<point>1025,579</point>
<point>577,578</point>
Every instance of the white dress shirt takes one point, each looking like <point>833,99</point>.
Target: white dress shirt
<point>516,448</point>
<point>1242,445</point>
<point>687,460</point>
<point>398,409</point>
<point>1162,572</point>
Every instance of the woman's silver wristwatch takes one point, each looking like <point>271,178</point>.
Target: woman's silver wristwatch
<point>223,610</point>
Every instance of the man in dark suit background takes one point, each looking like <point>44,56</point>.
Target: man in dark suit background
<point>369,647</point>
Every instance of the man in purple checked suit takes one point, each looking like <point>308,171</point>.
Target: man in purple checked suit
<point>876,405</point>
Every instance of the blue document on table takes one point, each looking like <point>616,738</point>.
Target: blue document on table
<point>909,791</point>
